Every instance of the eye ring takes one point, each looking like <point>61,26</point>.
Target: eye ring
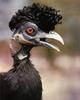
<point>30,31</point>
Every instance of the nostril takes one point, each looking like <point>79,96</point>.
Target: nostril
<point>42,39</point>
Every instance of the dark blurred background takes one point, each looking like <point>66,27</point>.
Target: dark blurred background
<point>60,71</point>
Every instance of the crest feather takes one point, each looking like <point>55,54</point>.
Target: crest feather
<point>45,17</point>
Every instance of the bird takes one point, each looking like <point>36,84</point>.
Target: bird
<point>31,26</point>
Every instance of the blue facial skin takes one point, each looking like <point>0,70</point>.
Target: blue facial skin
<point>35,34</point>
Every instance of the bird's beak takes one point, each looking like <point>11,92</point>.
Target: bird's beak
<point>40,39</point>
<point>51,35</point>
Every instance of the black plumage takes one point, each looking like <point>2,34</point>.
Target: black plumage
<point>45,17</point>
<point>23,81</point>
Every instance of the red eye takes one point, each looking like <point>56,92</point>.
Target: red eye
<point>29,30</point>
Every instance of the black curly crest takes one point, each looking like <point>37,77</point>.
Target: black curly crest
<point>45,17</point>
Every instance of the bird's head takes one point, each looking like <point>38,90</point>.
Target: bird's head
<point>34,24</point>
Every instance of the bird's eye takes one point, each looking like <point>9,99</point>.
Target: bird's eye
<point>30,31</point>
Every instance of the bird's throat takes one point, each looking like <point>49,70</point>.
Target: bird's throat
<point>8,56</point>
<point>23,53</point>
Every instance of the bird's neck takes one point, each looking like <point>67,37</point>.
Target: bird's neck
<point>7,61</point>
<point>23,53</point>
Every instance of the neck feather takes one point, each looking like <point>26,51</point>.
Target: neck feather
<point>22,54</point>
